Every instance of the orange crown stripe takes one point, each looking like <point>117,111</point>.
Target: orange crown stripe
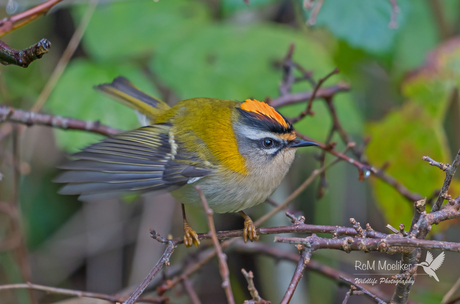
<point>252,105</point>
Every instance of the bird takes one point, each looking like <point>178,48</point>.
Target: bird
<point>236,152</point>
<point>431,266</point>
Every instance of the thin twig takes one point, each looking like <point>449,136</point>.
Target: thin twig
<point>68,52</point>
<point>324,92</point>
<point>315,12</point>
<point>191,292</point>
<point>298,274</point>
<point>32,118</point>
<point>308,110</point>
<point>256,299</point>
<point>75,293</point>
<point>366,292</point>
<point>450,172</point>
<point>164,260</point>
<point>451,291</point>
<point>9,24</point>
<point>23,57</point>
<point>223,267</point>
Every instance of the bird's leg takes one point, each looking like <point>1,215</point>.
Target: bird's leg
<point>190,235</point>
<point>249,230</point>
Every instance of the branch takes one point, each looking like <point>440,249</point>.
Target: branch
<point>294,98</point>
<point>164,260</point>
<point>391,244</point>
<point>364,291</point>
<point>32,118</point>
<point>9,24</point>
<point>318,85</point>
<point>450,172</point>
<point>76,293</point>
<point>256,299</point>
<point>298,274</point>
<point>223,267</point>
<point>24,57</point>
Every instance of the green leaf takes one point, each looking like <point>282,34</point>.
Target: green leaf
<point>133,28</point>
<point>402,139</point>
<point>75,97</point>
<point>431,84</point>
<point>362,23</point>
<point>237,63</point>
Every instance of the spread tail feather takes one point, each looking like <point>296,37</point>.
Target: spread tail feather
<point>122,90</point>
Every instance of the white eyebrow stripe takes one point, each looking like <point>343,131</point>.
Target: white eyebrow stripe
<point>256,135</point>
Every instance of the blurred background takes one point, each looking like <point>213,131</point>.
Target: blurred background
<point>402,63</point>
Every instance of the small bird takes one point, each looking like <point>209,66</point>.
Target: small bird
<point>236,152</point>
<point>431,266</point>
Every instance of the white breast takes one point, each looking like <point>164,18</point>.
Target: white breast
<point>234,192</point>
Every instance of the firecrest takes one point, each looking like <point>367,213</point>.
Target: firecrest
<point>238,153</point>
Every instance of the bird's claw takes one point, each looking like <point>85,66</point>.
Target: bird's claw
<point>249,231</point>
<point>190,236</point>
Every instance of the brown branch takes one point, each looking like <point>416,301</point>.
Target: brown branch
<point>76,293</point>
<point>223,267</point>
<point>9,24</point>
<point>298,274</point>
<point>314,12</point>
<point>395,10</point>
<point>30,118</point>
<point>294,98</point>
<point>191,292</point>
<point>445,31</point>
<point>388,245</point>
<point>23,57</point>
<point>450,172</point>
<point>256,299</point>
<point>164,260</point>
<point>364,291</point>
<point>318,85</point>
<point>66,55</point>
<point>410,196</point>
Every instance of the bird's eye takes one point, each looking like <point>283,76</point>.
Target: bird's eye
<point>268,143</point>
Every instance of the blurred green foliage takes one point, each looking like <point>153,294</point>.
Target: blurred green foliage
<point>400,97</point>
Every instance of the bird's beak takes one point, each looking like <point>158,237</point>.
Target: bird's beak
<point>297,143</point>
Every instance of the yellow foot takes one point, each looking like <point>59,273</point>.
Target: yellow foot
<point>249,229</point>
<point>190,236</point>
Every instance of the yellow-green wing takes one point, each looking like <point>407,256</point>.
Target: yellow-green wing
<point>122,90</point>
<point>141,160</point>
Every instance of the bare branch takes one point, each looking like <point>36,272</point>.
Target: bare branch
<point>364,291</point>
<point>450,172</point>
<point>298,274</point>
<point>223,267</point>
<point>31,118</point>
<point>24,57</point>
<point>164,260</point>
<point>9,24</point>
<point>76,293</point>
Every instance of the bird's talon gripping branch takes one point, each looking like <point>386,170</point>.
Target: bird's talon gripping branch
<point>249,231</point>
<point>190,235</point>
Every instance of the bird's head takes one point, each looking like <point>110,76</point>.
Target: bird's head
<point>424,264</point>
<point>265,137</point>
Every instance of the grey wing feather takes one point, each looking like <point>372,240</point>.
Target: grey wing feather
<point>135,161</point>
